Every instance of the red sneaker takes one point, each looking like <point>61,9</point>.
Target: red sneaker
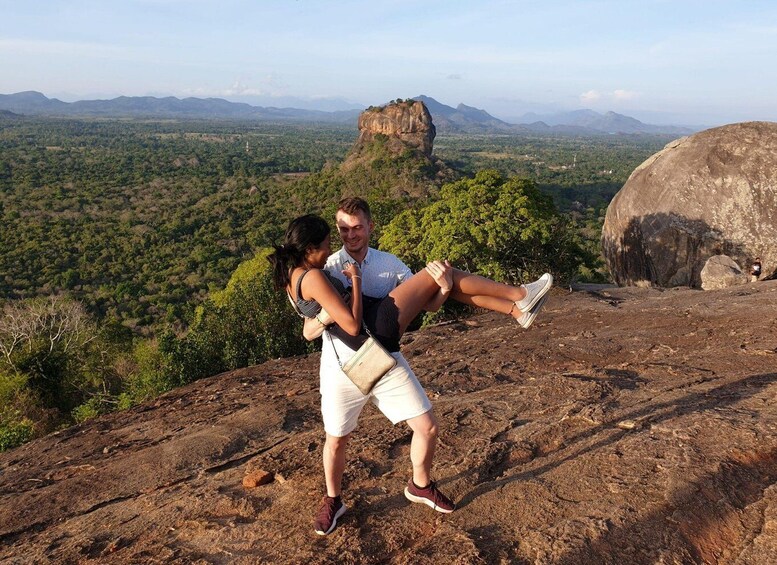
<point>326,520</point>
<point>430,496</point>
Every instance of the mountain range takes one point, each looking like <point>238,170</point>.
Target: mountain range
<point>35,103</point>
<point>447,119</point>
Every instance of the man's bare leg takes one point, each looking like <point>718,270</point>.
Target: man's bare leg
<point>421,488</point>
<point>334,463</point>
<point>422,446</point>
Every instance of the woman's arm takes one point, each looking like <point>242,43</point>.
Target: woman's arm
<point>317,287</point>
<point>354,274</point>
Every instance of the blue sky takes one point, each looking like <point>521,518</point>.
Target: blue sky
<point>683,61</point>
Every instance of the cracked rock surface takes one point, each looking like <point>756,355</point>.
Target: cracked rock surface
<point>628,425</point>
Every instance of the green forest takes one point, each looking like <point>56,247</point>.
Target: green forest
<point>133,251</point>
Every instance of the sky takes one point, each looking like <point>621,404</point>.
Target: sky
<point>684,62</point>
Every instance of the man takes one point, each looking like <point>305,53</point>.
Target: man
<point>755,270</point>
<point>398,395</point>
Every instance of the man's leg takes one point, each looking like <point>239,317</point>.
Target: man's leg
<point>332,506</point>
<point>421,488</point>
<point>422,446</point>
<point>334,463</point>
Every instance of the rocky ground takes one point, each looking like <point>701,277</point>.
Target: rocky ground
<point>627,426</point>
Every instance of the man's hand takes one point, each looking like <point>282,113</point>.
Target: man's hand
<point>324,318</point>
<point>314,327</point>
<point>442,273</point>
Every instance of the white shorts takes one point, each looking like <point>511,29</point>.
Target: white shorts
<point>398,395</point>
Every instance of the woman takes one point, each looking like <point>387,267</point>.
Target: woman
<point>297,267</point>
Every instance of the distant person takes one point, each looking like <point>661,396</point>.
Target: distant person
<point>755,270</point>
<point>358,284</point>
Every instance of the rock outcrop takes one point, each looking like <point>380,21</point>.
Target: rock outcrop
<point>402,125</point>
<point>712,193</point>
<point>721,271</point>
<point>393,154</point>
<point>631,426</point>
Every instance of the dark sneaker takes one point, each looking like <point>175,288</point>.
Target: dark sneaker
<point>326,520</point>
<point>430,496</point>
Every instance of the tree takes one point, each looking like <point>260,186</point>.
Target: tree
<point>53,359</point>
<point>247,323</point>
<point>503,228</point>
<point>34,331</point>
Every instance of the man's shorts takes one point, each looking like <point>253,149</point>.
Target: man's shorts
<point>398,395</point>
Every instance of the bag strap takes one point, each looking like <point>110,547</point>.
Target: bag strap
<point>364,327</point>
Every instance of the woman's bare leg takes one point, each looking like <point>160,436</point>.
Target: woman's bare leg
<point>501,305</point>
<point>467,284</point>
<point>411,296</point>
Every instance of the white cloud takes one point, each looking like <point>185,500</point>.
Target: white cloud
<point>590,96</point>
<point>624,95</point>
<point>595,96</point>
<point>240,89</point>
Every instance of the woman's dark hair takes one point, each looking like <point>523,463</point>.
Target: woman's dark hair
<point>303,232</point>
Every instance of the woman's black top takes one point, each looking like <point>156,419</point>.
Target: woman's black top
<point>380,315</point>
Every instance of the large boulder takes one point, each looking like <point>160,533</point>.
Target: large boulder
<point>721,271</point>
<point>711,193</point>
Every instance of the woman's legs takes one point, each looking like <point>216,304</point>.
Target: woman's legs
<point>411,296</point>
<point>481,292</point>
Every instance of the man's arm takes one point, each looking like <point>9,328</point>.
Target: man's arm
<point>314,327</point>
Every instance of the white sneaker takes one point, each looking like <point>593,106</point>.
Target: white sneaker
<point>534,292</point>
<point>527,318</point>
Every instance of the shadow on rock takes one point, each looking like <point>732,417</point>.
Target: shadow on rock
<point>649,414</point>
<point>667,250</point>
<point>707,515</point>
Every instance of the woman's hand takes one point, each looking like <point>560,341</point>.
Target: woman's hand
<point>352,270</point>
<point>442,273</point>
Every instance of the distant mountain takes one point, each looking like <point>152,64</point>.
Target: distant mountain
<point>323,104</point>
<point>35,103</point>
<point>466,119</point>
<point>462,118</point>
<point>591,121</point>
<point>30,102</point>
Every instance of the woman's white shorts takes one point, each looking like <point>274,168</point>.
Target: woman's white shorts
<point>398,395</point>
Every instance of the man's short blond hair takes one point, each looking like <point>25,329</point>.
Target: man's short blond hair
<point>354,204</point>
